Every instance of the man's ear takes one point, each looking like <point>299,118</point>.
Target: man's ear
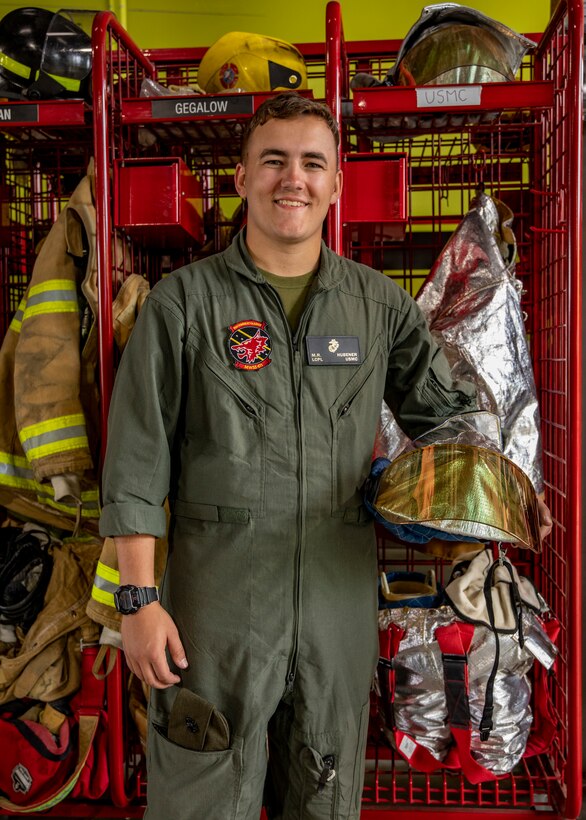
<point>240,180</point>
<point>337,192</point>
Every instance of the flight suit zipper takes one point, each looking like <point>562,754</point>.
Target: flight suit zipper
<point>297,365</point>
<point>292,669</point>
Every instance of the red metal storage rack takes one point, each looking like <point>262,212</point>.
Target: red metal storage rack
<point>522,142</point>
<point>203,133</point>
<point>44,151</point>
<point>45,148</point>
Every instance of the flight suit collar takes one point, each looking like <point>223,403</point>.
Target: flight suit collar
<point>332,268</point>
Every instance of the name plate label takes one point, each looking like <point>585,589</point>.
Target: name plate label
<point>172,108</point>
<point>19,113</point>
<point>449,96</point>
<point>333,350</point>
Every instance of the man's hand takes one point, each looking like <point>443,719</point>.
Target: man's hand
<point>545,519</point>
<point>146,635</point>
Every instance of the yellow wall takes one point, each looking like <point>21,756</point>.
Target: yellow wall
<point>165,23</point>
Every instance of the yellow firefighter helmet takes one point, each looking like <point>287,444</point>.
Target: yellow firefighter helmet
<point>239,61</point>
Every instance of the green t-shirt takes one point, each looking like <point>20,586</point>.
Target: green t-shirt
<point>293,292</point>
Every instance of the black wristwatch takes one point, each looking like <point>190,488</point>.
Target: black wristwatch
<point>129,599</point>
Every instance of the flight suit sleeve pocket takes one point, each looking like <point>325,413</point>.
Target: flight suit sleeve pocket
<point>443,395</point>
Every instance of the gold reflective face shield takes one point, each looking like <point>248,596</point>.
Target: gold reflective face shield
<point>461,489</point>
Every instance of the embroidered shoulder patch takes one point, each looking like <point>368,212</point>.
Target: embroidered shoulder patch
<point>250,345</point>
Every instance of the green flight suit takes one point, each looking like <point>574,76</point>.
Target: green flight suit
<point>271,576</point>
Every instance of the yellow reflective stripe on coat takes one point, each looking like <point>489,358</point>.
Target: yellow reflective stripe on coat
<point>106,582</point>
<point>58,435</point>
<point>16,472</point>
<point>16,322</point>
<point>90,507</point>
<point>52,296</point>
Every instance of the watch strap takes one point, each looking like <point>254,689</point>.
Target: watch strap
<point>147,595</point>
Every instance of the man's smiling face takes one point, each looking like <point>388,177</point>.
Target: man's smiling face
<point>289,178</point>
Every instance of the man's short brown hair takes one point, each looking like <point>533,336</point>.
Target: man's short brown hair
<point>285,107</point>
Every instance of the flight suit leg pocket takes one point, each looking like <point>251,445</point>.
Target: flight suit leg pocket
<point>318,784</point>
<point>195,723</point>
<point>184,783</point>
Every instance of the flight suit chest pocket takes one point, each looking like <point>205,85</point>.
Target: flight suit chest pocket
<point>224,447</point>
<point>353,418</point>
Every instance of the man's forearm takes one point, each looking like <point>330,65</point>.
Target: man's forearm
<point>136,559</point>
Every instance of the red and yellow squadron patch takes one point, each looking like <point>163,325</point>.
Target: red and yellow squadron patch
<point>250,345</point>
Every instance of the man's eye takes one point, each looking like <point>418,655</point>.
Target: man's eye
<point>315,165</point>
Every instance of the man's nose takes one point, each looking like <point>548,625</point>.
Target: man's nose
<point>292,176</point>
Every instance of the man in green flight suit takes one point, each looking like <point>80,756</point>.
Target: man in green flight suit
<point>249,396</point>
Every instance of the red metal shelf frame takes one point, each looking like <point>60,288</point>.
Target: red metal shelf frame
<point>52,113</point>
<point>523,145</point>
<point>44,151</point>
<point>493,97</point>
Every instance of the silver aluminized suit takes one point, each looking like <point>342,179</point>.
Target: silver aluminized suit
<point>271,575</point>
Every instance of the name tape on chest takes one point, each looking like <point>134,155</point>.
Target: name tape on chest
<point>328,350</point>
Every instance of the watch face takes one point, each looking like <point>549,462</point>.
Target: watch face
<point>129,599</point>
<point>125,600</point>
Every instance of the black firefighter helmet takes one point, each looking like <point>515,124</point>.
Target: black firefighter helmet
<point>44,55</point>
